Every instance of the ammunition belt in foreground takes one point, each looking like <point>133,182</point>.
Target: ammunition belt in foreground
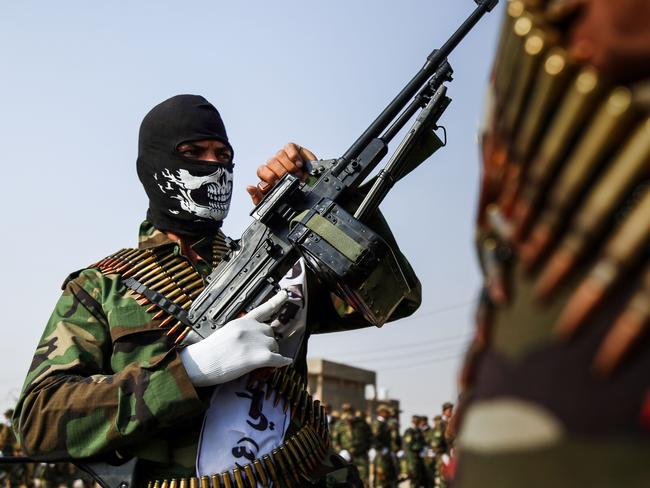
<point>293,463</point>
<point>564,191</point>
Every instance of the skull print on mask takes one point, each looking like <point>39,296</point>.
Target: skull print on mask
<point>207,197</point>
<point>186,196</point>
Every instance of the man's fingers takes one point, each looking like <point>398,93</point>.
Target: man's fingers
<point>269,308</point>
<point>279,167</point>
<point>293,153</point>
<point>267,176</point>
<point>290,165</point>
<point>255,193</point>
<point>307,155</point>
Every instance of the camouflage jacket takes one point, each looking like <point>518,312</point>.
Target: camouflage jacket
<point>413,440</point>
<point>353,435</point>
<point>395,437</point>
<point>105,377</point>
<point>382,436</point>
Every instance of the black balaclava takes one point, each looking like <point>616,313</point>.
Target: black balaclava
<point>189,197</point>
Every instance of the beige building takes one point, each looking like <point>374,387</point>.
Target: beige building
<point>336,383</point>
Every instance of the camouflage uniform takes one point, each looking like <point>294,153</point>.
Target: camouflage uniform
<point>11,474</point>
<point>353,435</point>
<point>428,454</point>
<point>395,438</point>
<point>384,467</point>
<point>447,414</point>
<point>413,444</point>
<point>105,377</point>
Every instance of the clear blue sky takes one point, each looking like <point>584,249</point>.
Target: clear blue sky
<point>77,78</point>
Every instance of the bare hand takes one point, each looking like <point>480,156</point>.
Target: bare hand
<point>292,158</point>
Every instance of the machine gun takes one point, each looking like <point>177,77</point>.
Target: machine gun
<point>316,221</point>
<point>321,222</point>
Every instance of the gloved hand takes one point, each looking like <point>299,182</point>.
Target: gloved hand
<point>372,454</point>
<point>237,348</point>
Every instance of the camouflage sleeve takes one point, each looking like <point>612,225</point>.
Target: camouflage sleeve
<point>75,401</point>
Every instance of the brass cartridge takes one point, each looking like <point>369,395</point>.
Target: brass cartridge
<point>532,51</point>
<point>574,108</point>
<point>549,84</point>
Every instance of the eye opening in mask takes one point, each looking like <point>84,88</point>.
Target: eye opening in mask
<point>209,151</point>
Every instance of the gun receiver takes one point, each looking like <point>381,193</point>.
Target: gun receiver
<point>318,221</point>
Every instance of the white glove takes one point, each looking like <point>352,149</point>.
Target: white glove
<point>345,454</point>
<point>237,348</point>
<point>372,454</point>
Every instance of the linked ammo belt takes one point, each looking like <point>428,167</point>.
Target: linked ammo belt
<point>167,283</point>
<point>290,464</point>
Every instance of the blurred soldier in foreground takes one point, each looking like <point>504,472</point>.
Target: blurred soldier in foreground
<point>353,439</point>
<point>384,468</point>
<point>413,444</point>
<point>557,390</point>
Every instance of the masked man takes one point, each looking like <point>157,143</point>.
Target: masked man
<point>115,375</point>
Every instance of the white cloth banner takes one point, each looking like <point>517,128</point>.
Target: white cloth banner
<point>240,424</point>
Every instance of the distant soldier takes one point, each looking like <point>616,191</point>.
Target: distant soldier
<point>439,446</point>
<point>384,467</point>
<point>335,416</point>
<point>413,443</point>
<point>10,474</point>
<point>393,424</point>
<point>428,453</point>
<point>51,475</point>
<point>447,412</point>
<point>353,437</point>
<point>8,442</point>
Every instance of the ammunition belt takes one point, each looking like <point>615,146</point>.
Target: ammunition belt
<point>165,274</point>
<point>168,284</point>
<point>564,191</point>
<point>563,146</point>
<point>290,464</point>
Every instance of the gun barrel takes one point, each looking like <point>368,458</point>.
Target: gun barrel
<point>434,60</point>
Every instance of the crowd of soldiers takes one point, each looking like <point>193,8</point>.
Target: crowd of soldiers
<point>383,457</point>
<point>37,475</point>
<point>423,455</point>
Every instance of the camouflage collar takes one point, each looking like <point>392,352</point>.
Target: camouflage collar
<point>150,237</point>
